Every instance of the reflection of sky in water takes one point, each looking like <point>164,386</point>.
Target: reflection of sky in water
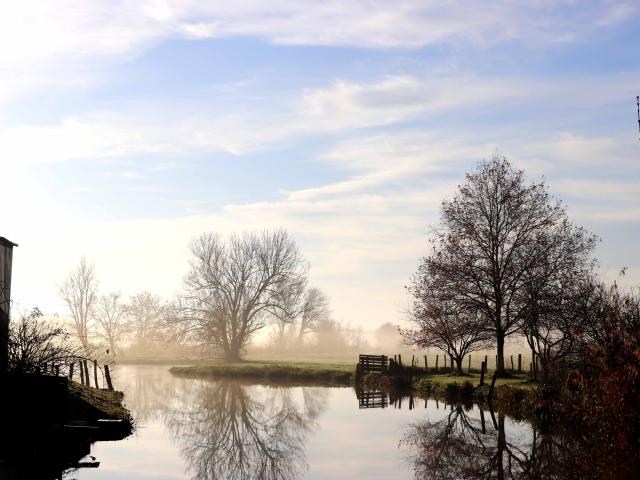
<point>336,439</point>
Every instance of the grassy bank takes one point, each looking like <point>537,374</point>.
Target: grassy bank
<point>304,373</point>
<point>92,404</point>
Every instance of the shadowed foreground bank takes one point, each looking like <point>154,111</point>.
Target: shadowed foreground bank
<point>50,423</point>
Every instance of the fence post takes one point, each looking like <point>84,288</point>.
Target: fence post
<point>86,373</point>
<point>426,364</point>
<point>95,373</point>
<point>400,360</point>
<point>444,360</point>
<point>81,374</point>
<point>512,363</point>
<point>71,371</point>
<point>485,360</point>
<point>107,375</point>
<point>469,363</point>
<point>437,358</point>
<point>519,362</point>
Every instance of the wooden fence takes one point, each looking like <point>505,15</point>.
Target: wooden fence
<point>372,363</point>
<point>83,369</point>
<point>444,363</point>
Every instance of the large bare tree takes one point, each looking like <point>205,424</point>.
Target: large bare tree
<point>79,292</point>
<point>234,283</point>
<point>110,314</point>
<point>495,231</point>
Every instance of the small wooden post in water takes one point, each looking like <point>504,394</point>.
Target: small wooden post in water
<point>81,374</point>
<point>95,373</point>
<point>482,367</point>
<point>519,362</point>
<point>71,371</point>
<point>107,375</point>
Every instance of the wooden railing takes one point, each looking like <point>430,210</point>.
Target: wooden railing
<point>84,377</point>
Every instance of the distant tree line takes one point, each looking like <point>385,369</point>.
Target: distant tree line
<point>235,287</point>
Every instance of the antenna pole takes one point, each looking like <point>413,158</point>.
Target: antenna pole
<point>638,105</point>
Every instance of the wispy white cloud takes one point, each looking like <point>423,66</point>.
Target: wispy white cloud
<point>72,42</point>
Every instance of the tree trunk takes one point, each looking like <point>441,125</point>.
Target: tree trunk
<point>232,354</point>
<point>500,347</point>
<point>459,364</point>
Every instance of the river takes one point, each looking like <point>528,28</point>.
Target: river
<point>192,428</point>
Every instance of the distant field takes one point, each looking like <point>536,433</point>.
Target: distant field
<point>335,359</point>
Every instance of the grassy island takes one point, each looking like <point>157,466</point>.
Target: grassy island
<point>274,372</point>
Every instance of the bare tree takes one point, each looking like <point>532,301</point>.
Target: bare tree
<point>233,284</point>
<point>79,293</point>
<point>111,316</point>
<point>494,231</point>
<point>314,312</point>
<point>442,324</point>
<point>289,306</point>
<point>146,312</point>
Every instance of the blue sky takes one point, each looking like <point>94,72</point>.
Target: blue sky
<point>127,128</point>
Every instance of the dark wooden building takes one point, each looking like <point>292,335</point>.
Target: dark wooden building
<point>6,259</point>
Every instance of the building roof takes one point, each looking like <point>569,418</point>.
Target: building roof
<point>7,243</point>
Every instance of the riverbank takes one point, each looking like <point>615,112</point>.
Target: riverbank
<point>304,373</point>
<point>49,424</point>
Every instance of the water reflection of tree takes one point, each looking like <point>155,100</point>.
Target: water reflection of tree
<point>225,432</point>
<point>459,446</point>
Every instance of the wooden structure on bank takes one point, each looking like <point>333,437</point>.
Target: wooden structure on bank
<point>372,363</point>
<point>6,261</point>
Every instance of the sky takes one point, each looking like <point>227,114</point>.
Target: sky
<point>129,127</point>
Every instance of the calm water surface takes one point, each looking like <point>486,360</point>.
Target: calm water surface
<point>189,428</point>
